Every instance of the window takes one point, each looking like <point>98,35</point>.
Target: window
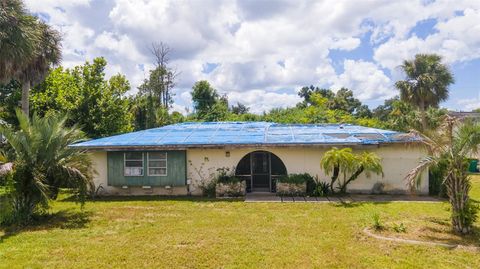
<point>157,163</point>
<point>133,164</point>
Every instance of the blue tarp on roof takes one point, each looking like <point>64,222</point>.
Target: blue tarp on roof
<point>194,134</point>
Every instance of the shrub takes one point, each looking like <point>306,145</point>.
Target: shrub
<point>322,189</point>
<point>226,177</point>
<point>311,184</point>
<point>436,175</point>
<point>295,178</point>
<point>399,228</point>
<point>208,188</point>
<point>377,224</point>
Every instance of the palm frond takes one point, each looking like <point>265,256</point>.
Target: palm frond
<point>413,176</point>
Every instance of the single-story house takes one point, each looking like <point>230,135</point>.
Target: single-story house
<point>177,159</point>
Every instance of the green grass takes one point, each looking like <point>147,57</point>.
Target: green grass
<point>184,233</point>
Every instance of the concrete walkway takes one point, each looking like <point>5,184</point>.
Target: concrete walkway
<point>272,197</point>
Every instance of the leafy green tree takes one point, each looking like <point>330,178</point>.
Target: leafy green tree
<point>363,112</point>
<point>59,92</point>
<point>98,105</point>
<point>426,83</point>
<point>382,112</point>
<point>152,103</point>
<point>41,167</point>
<point>218,112</point>
<point>204,97</point>
<point>344,100</point>
<point>450,146</point>
<point>28,47</point>
<point>307,92</point>
<point>10,96</point>
<point>240,109</point>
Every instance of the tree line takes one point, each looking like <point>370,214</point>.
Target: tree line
<point>103,107</point>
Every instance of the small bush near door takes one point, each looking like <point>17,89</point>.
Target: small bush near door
<point>228,185</point>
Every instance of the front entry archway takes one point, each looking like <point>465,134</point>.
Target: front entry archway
<point>260,169</point>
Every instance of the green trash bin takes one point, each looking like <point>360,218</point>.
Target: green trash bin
<point>473,166</point>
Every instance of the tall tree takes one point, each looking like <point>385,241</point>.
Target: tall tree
<point>344,100</point>
<point>204,97</point>
<point>240,109</point>
<point>10,96</point>
<point>307,92</point>
<point>28,47</point>
<point>426,84</point>
<point>154,98</point>
<point>162,78</point>
<point>97,105</point>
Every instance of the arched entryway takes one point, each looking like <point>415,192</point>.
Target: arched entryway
<point>260,169</point>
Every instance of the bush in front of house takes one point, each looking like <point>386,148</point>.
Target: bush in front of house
<point>293,184</point>
<point>39,169</point>
<point>228,185</point>
<point>322,189</point>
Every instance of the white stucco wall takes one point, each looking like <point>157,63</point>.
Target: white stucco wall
<point>397,161</point>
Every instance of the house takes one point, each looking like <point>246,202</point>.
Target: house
<point>177,159</point>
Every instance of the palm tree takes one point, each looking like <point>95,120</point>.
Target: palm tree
<point>367,162</point>
<point>28,47</point>
<point>43,162</point>
<point>450,145</point>
<point>426,84</point>
<point>337,160</point>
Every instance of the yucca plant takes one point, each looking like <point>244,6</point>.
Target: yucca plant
<point>451,145</point>
<point>43,162</point>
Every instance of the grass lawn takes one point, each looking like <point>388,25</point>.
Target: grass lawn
<point>182,233</point>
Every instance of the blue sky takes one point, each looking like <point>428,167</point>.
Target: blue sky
<point>260,52</point>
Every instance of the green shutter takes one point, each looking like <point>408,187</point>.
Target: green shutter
<point>176,171</point>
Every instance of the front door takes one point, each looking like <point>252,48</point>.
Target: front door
<point>260,171</point>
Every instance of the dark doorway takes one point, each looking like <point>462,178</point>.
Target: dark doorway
<point>260,169</point>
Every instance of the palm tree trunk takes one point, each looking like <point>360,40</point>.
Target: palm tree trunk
<point>25,97</point>
<point>423,115</point>
<point>354,176</point>
<point>457,190</point>
<point>336,172</point>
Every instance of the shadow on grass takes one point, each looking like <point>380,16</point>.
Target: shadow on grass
<point>140,198</point>
<point>472,239</point>
<point>65,219</point>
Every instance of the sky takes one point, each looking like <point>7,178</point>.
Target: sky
<point>261,52</point>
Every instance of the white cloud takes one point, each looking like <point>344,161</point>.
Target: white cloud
<point>260,100</point>
<point>470,103</point>
<point>457,39</point>
<point>264,48</point>
<point>366,80</point>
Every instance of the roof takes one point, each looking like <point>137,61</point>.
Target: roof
<point>462,114</point>
<point>214,134</point>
